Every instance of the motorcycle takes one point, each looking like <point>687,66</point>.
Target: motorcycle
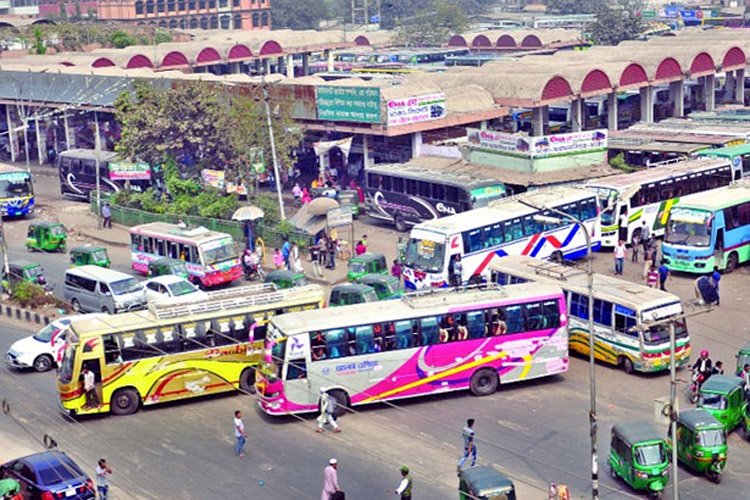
<point>254,271</point>
<point>695,385</point>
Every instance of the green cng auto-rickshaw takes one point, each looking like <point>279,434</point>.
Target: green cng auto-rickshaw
<point>89,255</point>
<point>482,482</point>
<point>366,263</point>
<point>723,397</point>
<point>46,236</point>
<point>387,287</point>
<point>701,443</point>
<point>24,270</point>
<point>638,455</point>
<point>284,278</point>
<point>743,358</point>
<point>351,293</point>
<point>166,265</point>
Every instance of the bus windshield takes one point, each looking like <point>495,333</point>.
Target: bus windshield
<point>15,184</point>
<point>689,228</point>
<point>481,197</point>
<point>218,251</point>
<point>426,255</point>
<point>660,333</point>
<point>65,373</point>
<point>651,454</point>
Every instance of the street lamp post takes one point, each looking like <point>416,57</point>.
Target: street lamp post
<point>592,360</point>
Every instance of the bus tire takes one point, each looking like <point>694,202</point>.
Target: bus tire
<point>400,223</point>
<point>342,401</point>
<point>626,364</point>
<point>247,380</point>
<point>125,401</point>
<point>76,305</point>
<point>732,262</point>
<point>484,382</point>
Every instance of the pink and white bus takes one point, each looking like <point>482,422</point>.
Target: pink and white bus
<point>210,257</point>
<point>425,343</point>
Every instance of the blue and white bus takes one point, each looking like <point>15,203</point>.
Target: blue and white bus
<point>16,191</point>
<point>507,226</point>
<point>709,229</point>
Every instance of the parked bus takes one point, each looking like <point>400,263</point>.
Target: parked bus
<point>77,169</point>
<point>410,193</point>
<point>505,227</point>
<point>16,191</point>
<point>709,229</point>
<point>174,350</point>
<point>210,257</point>
<point>648,195</point>
<point>425,343</point>
<point>621,310</point>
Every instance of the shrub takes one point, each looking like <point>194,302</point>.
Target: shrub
<point>31,295</point>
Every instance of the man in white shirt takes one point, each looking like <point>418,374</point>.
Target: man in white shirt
<point>404,489</point>
<point>102,485</point>
<point>239,434</point>
<point>89,388</point>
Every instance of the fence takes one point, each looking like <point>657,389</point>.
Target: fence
<point>271,236</point>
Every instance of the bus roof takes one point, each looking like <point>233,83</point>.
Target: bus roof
<point>89,154</point>
<point>430,302</point>
<point>195,234</point>
<point>718,199</point>
<point>7,169</point>
<point>728,151</point>
<point>89,325</point>
<point>659,172</point>
<point>632,295</point>
<point>507,207</point>
<point>461,174</point>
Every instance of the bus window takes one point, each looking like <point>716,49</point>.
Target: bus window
<point>172,250</point>
<point>365,341</point>
<point>404,335</point>
<point>625,321</point>
<point>424,189</point>
<point>533,317</point>
<point>411,187</point>
<point>473,241</point>
<point>530,226</point>
<point>111,349</point>
<point>513,319</point>
<point>602,312</point>
<point>297,369</point>
<point>335,344</point>
<point>438,192</point>
<point>147,244</point>
<point>430,330</point>
<point>135,242</point>
<point>160,248</point>
<point>317,346</point>
<point>452,194</point>
<point>475,324</point>
<point>579,305</point>
<point>551,312</point>
<point>398,185</point>
<point>494,235</point>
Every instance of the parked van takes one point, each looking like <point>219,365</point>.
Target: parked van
<point>94,289</point>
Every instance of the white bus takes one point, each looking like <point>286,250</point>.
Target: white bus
<point>648,195</point>
<point>505,227</point>
<point>620,307</point>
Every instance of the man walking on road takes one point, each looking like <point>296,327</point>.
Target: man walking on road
<point>102,485</point>
<point>404,489</point>
<point>469,446</point>
<point>239,434</point>
<point>663,275</point>
<point>327,412</point>
<point>330,480</point>
<point>107,216</point>
<point>619,253</point>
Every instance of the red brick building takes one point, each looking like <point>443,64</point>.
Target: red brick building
<point>190,14</point>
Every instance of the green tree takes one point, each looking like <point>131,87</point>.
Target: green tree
<point>617,23</point>
<point>39,48</point>
<point>162,37</point>
<point>573,6</point>
<point>298,14</point>
<point>120,39</point>
<point>432,24</point>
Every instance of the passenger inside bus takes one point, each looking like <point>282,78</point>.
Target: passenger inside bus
<point>318,347</point>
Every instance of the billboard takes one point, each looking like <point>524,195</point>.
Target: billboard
<point>348,104</point>
<point>415,109</point>
<point>547,145</point>
<point>129,171</point>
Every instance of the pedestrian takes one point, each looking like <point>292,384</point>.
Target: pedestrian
<point>360,248</point>
<point>102,485</point>
<point>239,434</point>
<point>623,231</point>
<point>331,250</point>
<point>469,446</point>
<point>718,368</point>
<point>89,388</point>
<point>396,269</point>
<point>404,488</point>
<point>286,250</point>
<point>645,235</point>
<point>107,216</point>
<point>306,196</point>
<point>331,481</point>
<point>716,277</point>
<point>297,193</point>
<point>635,247</point>
<point>295,259</point>
<point>663,275</point>
<point>455,272</point>
<point>652,276</point>
<point>278,259</point>
<point>649,251</point>
<point>619,253</point>
<point>327,412</point>
<point>364,241</point>
<point>746,377</point>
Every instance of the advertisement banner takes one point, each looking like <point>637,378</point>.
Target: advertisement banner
<point>415,109</point>
<point>127,171</point>
<point>547,145</point>
<point>213,178</point>
<point>348,104</point>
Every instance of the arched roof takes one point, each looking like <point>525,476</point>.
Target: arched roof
<point>531,41</point>
<point>506,41</point>
<point>174,58</point>
<point>239,51</point>
<point>139,61</point>
<point>481,41</point>
<point>271,47</point>
<point>361,40</point>
<point>209,55</point>
<point>457,41</point>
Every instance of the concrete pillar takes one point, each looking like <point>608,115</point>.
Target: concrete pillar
<point>41,142</point>
<point>647,104</point>
<point>257,64</point>
<point>739,88</point>
<point>69,137</point>
<point>483,125</point>
<point>537,125</point>
<point>729,86</point>
<point>280,64</point>
<point>545,120</point>
<point>235,67</point>
<point>329,60</point>
<point>305,64</point>
<point>575,115</point>
<point>12,135</point>
<point>677,94</point>
<point>416,144</point>
<point>612,111</point>
<point>289,66</point>
<point>709,86</point>
<point>267,66</point>
<point>365,151</point>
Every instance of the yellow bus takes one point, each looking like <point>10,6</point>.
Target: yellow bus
<point>173,350</point>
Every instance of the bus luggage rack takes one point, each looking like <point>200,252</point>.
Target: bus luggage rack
<point>231,298</point>
<point>410,297</point>
<point>556,271</point>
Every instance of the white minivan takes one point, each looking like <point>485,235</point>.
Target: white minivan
<point>98,289</point>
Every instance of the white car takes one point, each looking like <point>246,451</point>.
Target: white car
<point>169,286</point>
<point>39,351</point>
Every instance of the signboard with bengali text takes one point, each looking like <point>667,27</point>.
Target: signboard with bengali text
<point>415,109</point>
<point>341,216</point>
<point>129,171</point>
<point>348,104</point>
<point>548,145</point>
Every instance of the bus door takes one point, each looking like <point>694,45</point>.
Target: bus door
<point>296,381</point>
